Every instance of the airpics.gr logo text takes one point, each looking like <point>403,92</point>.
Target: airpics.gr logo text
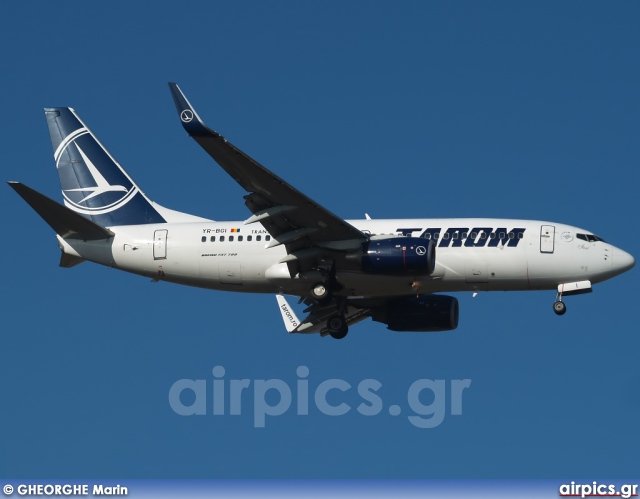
<point>425,400</point>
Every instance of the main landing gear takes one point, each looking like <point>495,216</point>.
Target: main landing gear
<point>337,326</point>
<point>322,293</point>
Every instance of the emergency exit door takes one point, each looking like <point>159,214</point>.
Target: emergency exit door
<point>547,238</point>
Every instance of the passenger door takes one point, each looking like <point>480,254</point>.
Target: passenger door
<point>547,238</point>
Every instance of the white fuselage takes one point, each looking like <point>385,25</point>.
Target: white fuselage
<point>502,255</point>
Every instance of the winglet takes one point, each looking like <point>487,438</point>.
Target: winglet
<point>188,116</point>
<point>289,317</point>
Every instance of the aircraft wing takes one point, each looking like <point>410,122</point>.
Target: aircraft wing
<point>288,215</point>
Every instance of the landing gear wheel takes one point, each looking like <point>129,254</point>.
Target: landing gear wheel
<point>321,292</point>
<point>559,308</point>
<point>337,326</point>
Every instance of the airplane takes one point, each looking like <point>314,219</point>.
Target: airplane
<point>344,271</point>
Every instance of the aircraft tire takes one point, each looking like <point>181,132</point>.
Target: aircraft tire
<point>337,326</point>
<point>559,308</point>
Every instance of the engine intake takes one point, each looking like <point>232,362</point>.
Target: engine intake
<point>422,313</point>
<point>399,255</point>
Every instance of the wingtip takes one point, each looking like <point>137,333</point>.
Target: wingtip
<point>191,122</point>
<point>179,98</point>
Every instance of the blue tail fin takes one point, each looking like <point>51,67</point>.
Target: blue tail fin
<point>93,183</point>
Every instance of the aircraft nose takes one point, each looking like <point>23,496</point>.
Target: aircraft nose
<point>622,261</point>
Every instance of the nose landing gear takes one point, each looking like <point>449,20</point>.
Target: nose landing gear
<point>559,307</point>
<point>569,289</point>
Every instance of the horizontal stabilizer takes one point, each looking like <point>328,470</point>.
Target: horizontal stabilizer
<point>67,223</point>
<point>68,261</point>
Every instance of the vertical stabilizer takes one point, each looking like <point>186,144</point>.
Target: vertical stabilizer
<point>93,183</point>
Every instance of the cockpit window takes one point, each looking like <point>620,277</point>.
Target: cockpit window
<point>590,238</point>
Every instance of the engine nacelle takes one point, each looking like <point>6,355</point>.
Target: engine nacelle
<point>422,313</point>
<point>399,255</point>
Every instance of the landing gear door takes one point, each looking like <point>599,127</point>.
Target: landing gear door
<point>547,238</point>
<point>160,244</point>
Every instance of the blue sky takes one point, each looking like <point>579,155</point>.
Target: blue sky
<point>413,109</point>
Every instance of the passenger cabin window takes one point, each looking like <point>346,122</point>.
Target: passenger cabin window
<point>267,238</point>
<point>213,239</point>
<point>249,238</point>
<point>258,238</point>
<point>204,239</point>
<point>239,238</point>
<point>230,238</point>
<point>221,239</point>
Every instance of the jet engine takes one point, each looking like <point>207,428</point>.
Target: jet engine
<point>422,313</point>
<point>397,255</point>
